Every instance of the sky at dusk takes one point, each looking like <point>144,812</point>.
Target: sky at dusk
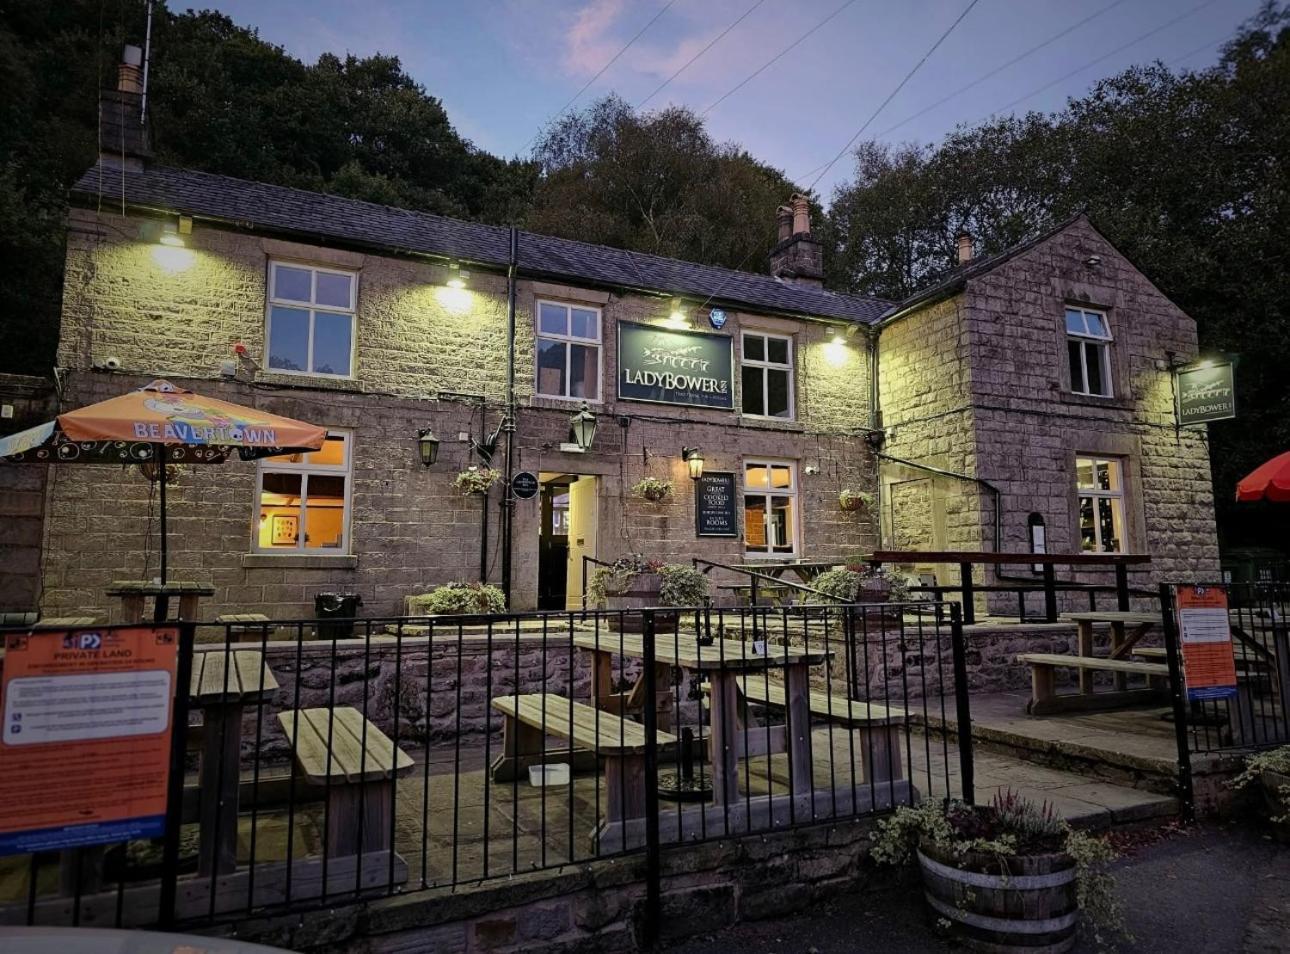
<point>503,68</point>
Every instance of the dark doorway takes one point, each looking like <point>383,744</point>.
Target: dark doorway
<point>553,546</point>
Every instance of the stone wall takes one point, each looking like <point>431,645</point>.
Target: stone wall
<point>30,401</point>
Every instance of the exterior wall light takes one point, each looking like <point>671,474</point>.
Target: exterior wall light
<point>836,350</point>
<point>693,458</point>
<point>170,236</point>
<point>583,427</point>
<point>428,446</point>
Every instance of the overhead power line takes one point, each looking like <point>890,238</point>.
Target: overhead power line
<point>774,59</point>
<point>601,72</point>
<point>715,40</point>
<point>892,95</point>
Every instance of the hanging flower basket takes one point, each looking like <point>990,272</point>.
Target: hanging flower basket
<point>476,480</point>
<point>652,489</point>
<point>851,500</point>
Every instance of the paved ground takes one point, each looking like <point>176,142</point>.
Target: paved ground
<point>1210,889</point>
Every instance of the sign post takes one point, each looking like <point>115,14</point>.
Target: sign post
<point>1205,637</point>
<point>1206,392</point>
<point>85,746</point>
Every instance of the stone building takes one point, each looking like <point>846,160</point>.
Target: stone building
<point>1029,386</point>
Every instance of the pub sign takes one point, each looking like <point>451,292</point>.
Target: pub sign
<point>1206,392</point>
<point>714,505</point>
<point>674,367</point>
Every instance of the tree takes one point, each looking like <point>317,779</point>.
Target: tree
<point>655,182</point>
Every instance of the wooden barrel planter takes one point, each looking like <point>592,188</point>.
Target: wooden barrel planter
<point>640,594</point>
<point>1033,908</point>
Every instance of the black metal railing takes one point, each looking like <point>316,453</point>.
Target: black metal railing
<point>763,580</point>
<point>395,755</point>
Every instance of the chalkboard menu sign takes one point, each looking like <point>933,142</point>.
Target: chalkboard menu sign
<point>714,505</point>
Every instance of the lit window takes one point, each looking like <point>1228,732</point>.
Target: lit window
<point>1099,488</point>
<point>568,351</point>
<point>310,323</point>
<point>1088,346</point>
<point>770,508</point>
<point>304,499</point>
<point>767,376</point>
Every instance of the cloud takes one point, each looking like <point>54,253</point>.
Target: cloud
<point>590,40</point>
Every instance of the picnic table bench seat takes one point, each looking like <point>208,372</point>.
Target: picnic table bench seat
<point>878,727</point>
<point>357,763</point>
<point>620,742</point>
<point>246,627</point>
<point>1044,698</point>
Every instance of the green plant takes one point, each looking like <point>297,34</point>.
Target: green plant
<point>652,488</point>
<point>1273,760</point>
<point>856,500</point>
<point>617,576</point>
<point>839,583</point>
<point>476,480</point>
<point>458,598</point>
<point>847,584</point>
<point>987,837</point>
<point>682,586</point>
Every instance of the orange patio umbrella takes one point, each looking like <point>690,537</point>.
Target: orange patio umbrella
<point>160,423</point>
<point>1270,481</point>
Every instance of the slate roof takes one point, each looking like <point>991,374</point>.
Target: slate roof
<point>319,218</point>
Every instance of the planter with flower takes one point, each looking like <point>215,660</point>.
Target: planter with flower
<point>1269,772</point>
<point>634,583</point>
<point>456,599</point>
<point>476,480</point>
<point>652,489</point>
<point>1008,876</point>
<point>860,583</point>
<point>852,500</point>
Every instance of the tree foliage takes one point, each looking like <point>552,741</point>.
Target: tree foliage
<point>1185,172</point>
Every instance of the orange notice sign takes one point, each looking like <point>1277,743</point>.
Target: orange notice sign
<point>85,742</point>
<point>1205,634</point>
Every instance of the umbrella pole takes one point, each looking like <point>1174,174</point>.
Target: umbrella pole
<point>161,608</point>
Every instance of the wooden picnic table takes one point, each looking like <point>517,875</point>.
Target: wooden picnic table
<point>222,691</point>
<point>1121,643</point>
<point>724,661</point>
<point>135,593</point>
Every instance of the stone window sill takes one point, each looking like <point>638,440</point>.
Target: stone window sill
<point>1089,400</point>
<point>308,381</point>
<point>308,561</point>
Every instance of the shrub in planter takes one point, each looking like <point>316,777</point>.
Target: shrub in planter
<point>1270,771</point>
<point>634,583</point>
<point>1010,875</point>
<point>458,599</point>
<point>856,500</point>
<point>476,480</point>
<point>682,586</point>
<point>858,583</point>
<point>652,489</point>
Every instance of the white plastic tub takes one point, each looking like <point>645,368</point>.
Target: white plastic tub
<point>546,776</point>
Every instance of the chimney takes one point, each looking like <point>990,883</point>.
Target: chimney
<point>123,135</point>
<point>797,257</point>
<point>964,240</point>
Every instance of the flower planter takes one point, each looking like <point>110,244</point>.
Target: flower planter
<point>850,504</point>
<point>641,593</point>
<point>655,495</point>
<point>1032,908</point>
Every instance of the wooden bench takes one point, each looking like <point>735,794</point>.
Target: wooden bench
<point>1122,643</point>
<point>358,763</point>
<point>595,733</point>
<point>877,726</point>
<point>246,627</point>
<point>1044,698</point>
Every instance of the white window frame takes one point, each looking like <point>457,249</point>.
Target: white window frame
<point>1096,494</point>
<point>1089,339</point>
<point>767,365</point>
<point>268,465</point>
<point>569,339</point>
<point>767,493</point>
<point>313,308</point>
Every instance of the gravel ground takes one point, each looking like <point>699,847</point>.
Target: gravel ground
<point>1210,888</point>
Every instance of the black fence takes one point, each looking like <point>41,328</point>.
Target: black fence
<point>332,763</point>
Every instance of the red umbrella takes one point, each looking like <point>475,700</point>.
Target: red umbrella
<point>1270,481</point>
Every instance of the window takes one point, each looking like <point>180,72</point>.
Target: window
<point>311,320</point>
<point>1099,487</point>
<point>770,508</point>
<point>767,373</point>
<point>1088,345</point>
<point>568,351</point>
<point>304,499</point>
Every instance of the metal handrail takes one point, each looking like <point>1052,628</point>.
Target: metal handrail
<point>711,564</point>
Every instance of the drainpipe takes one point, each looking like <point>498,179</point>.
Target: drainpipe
<point>508,500</point>
<point>998,497</point>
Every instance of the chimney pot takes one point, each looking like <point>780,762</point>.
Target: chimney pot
<point>784,221</point>
<point>801,215</point>
<point>129,74</point>
<point>964,247</point>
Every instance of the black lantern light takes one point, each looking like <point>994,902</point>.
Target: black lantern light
<point>583,427</point>
<point>693,458</point>
<point>428,445</point>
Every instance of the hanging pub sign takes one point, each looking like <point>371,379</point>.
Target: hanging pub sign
<point>714,505</point>
<point>1206,392</point>
<point>674,367</point>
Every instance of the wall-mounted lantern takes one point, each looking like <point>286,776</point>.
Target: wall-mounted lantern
<point>693,458</point>
<point>583,427</point>
<point>427,446</point>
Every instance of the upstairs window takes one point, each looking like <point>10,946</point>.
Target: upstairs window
<point>568,351</point>
<point>767,376</point>
<point>310,327</point>
<point>1088,344</point>
<point>304,499</point>
<point>1099,488</point>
